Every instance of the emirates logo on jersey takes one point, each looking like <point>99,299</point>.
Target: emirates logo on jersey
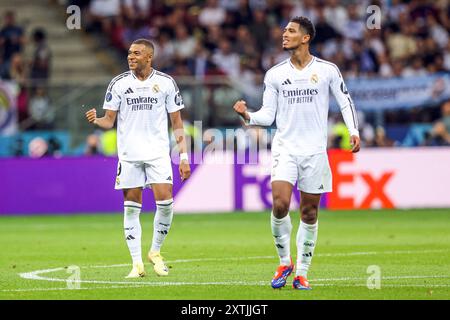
<point>314,78</point>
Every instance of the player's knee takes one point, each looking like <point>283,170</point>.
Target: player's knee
<point>309,214</point>
<point>134,195</point>
<point>280,208</point>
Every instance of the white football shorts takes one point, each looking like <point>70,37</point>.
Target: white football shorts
<point>312,173</point>
<point>135,174</point>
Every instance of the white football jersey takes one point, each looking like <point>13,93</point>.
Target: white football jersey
<point>299,100</point>
<point>142,106</point>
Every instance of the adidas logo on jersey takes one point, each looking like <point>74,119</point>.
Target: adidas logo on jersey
<point>287,81</point>
<point>129,91</point>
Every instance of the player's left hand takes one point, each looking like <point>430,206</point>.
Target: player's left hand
<point>355,143</point>
<point>185,170</point>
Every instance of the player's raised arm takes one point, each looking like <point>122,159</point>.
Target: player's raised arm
<point>347,107</point>
<point>266,115</point>
<point>178,131</point>
<point>105,122</point>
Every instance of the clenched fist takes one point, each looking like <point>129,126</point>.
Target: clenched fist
<point>91,115</point>
<point>241,108</point>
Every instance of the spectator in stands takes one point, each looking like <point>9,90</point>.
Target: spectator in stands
<point>354,27</point>
<point>245,43</point>
<point>37,148</point>
<point>259,29</point>
<point>137,9</point>
<point>40,110</point>
<point>12,36</point>
<point>437,31</point>
<point>184,44</point>
<point>367,132</point>
<point>401,42</point>
<point>92,145</point>
<point>336,15</point>
<point>415,68</point>
<point>40,66</point>
<point>227,60</point>
<point>136,28</point>
<point>324,31</point>
<point>381,139</point>
<point>16,71</point>
<point>307,8</point>
<point>396,8</point>
<point>164,52</point>
<point>101,15</point>
<point>200,64</point>
<point>212,14</point>
<point>440,133</point>
<point>385,69</point>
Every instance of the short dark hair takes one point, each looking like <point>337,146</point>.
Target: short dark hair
<point>306,25</point>
<point>39,34</point>
<point>145,42</point>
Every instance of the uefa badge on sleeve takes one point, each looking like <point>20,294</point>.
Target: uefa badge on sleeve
<point>178,99</point>
<point>108,97</point>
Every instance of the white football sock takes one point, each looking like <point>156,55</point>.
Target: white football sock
<point>162,222</point>
<point>306,242</point>
<point>281,231</point>
<point>132,228</point>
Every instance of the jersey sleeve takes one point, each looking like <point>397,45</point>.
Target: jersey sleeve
<point>174,101</point>
<point>266,115</point>
<point>340,92</point>
<point>112,97</point>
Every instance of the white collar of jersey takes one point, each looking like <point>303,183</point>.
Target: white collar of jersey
<point>310,63</point>
<point>151,75</point>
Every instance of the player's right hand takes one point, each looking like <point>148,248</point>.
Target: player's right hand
<point>241,108</point>
<point>91,115</point>
<point>355,143</point>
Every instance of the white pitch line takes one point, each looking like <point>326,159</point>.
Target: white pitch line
<point>36,275</point>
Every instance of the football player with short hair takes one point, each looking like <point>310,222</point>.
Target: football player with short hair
<point>140,99</point>
<point>296,95</point>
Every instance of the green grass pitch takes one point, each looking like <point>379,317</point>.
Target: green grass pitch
<point>227,256</point>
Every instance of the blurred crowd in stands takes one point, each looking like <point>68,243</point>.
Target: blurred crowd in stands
<point>31,73</point>
<point>241,39</point>
<point>236,37</point>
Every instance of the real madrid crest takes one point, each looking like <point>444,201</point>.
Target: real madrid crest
<point>155,88</point>
<point>314,78</point>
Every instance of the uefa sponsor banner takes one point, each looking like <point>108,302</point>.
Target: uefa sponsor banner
<point>8,107</point>
<point>405,92</point>
<point>65,185</point>
<point>370,179</point>
<point>390,178</point>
